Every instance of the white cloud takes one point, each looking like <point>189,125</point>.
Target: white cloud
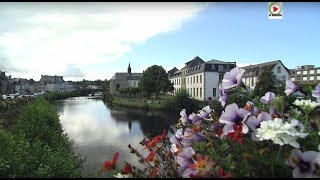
<point>72,71</point>
<point>42,38</point>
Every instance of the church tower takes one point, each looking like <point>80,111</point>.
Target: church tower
<point>129,69</point>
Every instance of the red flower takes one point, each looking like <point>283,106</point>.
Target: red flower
<point>108,165</point>
<point>222,174</point>
<point>237,134</point>
<point>150,156</point>
<point>197,128</point>
<point>163,135</point>
<point>168,153</point>
<point>153,142</point>
<point>127,169</point>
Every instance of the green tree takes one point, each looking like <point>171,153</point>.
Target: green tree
<point>154,80</point>
<point>266,82</point>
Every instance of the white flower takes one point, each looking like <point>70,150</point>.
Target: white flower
<point>119,175</point>
<point>279,132</point>
<point>306,105</point>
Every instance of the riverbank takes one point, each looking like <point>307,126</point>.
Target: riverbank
<point>174,103</point>
<point>37,146</point>
<point>137,105</point>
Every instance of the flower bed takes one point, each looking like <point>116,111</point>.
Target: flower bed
<point>270,136</point>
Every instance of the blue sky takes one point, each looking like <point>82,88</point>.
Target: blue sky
<point>227,31</point>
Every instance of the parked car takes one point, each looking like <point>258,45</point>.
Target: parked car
<point>11,96</point>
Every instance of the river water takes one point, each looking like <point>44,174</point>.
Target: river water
<point>99,131</point>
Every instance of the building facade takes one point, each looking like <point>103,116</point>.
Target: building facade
<point>252,72</point>
<point>200,79</point>
<point>305,74</point>
<point>121,80</point>
<point>54,84</point>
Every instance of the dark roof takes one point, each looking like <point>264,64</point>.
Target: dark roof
<point>254,69</point>
<point>125,76</point>
<point>172,71</point>
<point>214,61</point>
<point>195,61</point>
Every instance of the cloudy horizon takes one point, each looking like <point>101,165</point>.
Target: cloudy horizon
<point>64,38</point>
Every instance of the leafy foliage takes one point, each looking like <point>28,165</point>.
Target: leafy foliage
<point>155,80</point>
<point>37,146</point>
<point>266,82</point>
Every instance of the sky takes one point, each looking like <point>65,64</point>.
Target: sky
<point>94,40</point>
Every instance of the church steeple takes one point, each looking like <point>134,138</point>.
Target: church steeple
<point>129,69</point>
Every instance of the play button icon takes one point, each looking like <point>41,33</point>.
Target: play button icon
<point>275,9</point>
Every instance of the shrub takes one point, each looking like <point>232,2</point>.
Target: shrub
<point>37,146</point>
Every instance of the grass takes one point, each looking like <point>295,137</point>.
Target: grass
<point>139,105</point>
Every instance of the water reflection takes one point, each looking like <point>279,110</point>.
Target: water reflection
<point>99,131</point>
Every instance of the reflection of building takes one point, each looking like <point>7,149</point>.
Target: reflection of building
<point>252,72</point>
<point>120,80</point>
<point>305,74</point>
<point>201,79</point>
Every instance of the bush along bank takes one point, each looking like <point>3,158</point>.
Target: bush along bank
<point>175,103</point>
<point>10,109</point>
<point>37,146</point>
<point>53,96</point>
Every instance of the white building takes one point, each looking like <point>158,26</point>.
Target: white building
<point>252,72</point>
<point>201,79</point>
<point>53,84</point>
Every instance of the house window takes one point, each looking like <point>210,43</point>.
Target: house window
<point>278,69</point>
<point>197,79</point>
<point>200,91</point>
<point>305,72</point>
<point>318,71</point>
<point>200,78</point>
<point>188,80</point>
<point>311,72</point>
<point>305,78</point>
<point>190,91</point>
<point>298,72</point>
<point>197,92</point>
<point>220,77</point>
<point>318,77</point>
<point>194,92</point>
<point>194,80</point>
<point>311,78</point>
<point>252,81</point>
<point>214,92</point>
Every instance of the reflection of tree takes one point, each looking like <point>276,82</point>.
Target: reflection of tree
<point>154,124</point>
<point>60,105</point>
<point>151,122</point>
<point>129,125</point>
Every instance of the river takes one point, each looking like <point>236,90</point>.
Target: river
<point>98,131</point>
